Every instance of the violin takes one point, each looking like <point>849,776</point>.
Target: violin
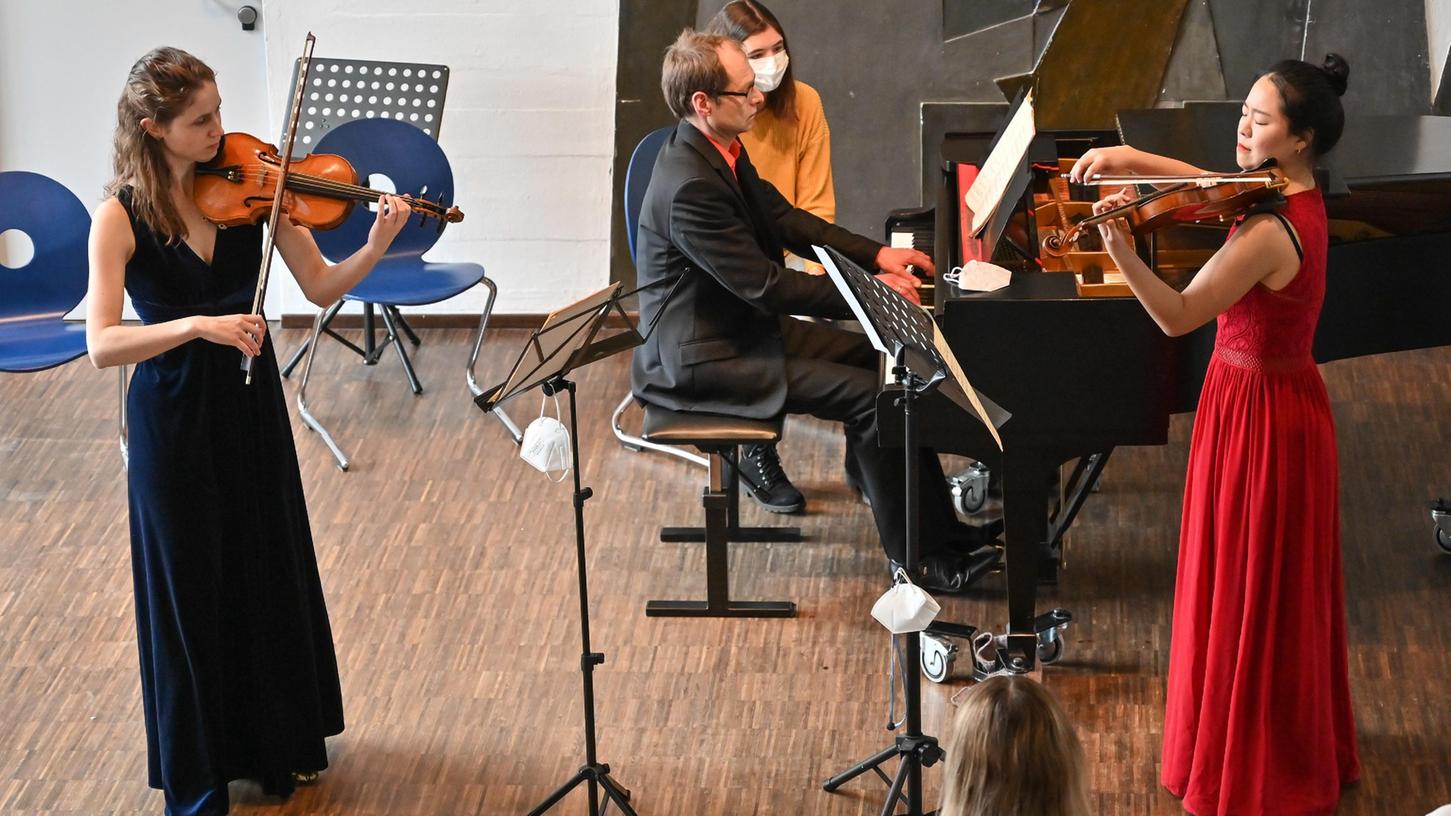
<point>238,187</point>
<point>1187,199</point>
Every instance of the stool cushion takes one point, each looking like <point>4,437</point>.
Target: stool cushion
<point>706,430</point>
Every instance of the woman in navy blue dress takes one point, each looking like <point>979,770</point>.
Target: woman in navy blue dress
<point>238,675</point>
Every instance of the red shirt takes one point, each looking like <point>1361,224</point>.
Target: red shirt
<point>729,153</point>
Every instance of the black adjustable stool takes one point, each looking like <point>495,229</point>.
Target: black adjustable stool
<point>718,437</point>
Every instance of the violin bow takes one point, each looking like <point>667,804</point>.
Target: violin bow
<point>270,242</point>
<point>1254,174</point>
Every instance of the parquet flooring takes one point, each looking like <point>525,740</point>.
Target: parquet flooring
<point>449,570</point>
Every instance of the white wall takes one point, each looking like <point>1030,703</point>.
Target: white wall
<point>1438,36</point>
<point>63,64</point>
<point>528,127</point>
<point>528,123</point>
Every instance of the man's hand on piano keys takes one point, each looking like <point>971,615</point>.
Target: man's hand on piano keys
<point>897,264</point>
<point>898,260</point>
<point>904,285</point>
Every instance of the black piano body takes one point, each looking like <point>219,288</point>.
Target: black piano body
<point>1083,375</point>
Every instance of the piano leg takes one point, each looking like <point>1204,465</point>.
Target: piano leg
<point>1027,480</point>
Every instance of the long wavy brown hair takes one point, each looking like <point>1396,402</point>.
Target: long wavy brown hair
<point>159,87</point>
<point>740,19</point>
<point>1012,750</point>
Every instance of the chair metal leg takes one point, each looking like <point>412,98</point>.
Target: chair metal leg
<point>403,324</point>
<point>474,387</point>
<point>397,344</point>
<point>636,443</point>
<point>327,320</point>
<point>307,418</point>
<point>124,432</point>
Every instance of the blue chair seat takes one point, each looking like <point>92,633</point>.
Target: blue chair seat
<point>35,344</point>
<point>406,283</point>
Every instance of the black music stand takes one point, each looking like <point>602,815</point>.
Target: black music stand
<point>921,362</point>
<point>567,341</point>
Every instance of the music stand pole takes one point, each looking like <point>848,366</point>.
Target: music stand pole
<point>921,363</point>
<point>913,749</point>
<point>569,340</point>
<point>593,772</point>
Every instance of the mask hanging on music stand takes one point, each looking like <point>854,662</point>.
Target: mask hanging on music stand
<point>545,445</point>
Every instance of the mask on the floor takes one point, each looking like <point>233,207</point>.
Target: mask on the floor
<point>906,607</point>
<point>546,443</point>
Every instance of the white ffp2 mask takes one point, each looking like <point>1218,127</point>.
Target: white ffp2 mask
<point>905,607</point>
<point>545,445</point>
<point>770,70</point>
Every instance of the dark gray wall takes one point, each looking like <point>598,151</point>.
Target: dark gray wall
<point>876,63</point>
<point>646,28</point>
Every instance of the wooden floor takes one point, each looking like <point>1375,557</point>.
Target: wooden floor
<point>449,569</point>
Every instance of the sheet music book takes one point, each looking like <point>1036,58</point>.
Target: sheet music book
<point>890,320</point>
<point>986,193</point>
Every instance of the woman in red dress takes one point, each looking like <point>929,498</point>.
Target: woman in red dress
<point>1258,716</point>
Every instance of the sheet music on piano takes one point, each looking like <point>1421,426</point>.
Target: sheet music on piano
<point>986,193</point>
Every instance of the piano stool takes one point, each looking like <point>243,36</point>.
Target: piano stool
<point>719,438</point>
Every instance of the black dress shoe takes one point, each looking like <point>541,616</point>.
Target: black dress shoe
<point>763,477</point>
<point>949,573</point>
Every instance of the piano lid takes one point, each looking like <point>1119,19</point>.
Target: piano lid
<point>1086,73</point>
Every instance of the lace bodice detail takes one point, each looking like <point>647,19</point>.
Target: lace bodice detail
<point>1272,330</point>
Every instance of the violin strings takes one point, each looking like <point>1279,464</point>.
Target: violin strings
<point>304,182</point>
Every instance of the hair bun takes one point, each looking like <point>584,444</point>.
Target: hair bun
<point>1337,70</point>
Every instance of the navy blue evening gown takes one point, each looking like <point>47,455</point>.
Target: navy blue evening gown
<point>238,675</point>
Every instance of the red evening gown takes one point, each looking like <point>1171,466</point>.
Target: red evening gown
<point>1258,717</point>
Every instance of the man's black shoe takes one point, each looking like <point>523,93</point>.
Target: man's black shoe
<point>950,574</point>
<point>763,478</point>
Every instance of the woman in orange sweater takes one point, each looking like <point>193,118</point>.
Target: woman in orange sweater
<point>790,147</point>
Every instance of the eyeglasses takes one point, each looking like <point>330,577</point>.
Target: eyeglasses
<point>742,94</point>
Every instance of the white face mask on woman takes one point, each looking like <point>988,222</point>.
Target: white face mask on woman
<point>770,70</point>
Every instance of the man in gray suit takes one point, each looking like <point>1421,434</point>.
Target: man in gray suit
<point>725,343</point>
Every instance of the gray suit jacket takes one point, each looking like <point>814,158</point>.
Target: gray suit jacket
<point>717,347</point>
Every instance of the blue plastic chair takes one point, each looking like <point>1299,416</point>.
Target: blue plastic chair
<point>416,165</point>
<point>35,298</point>
<point>637,179</point>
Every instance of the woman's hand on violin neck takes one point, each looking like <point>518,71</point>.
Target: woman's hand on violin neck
<point>240,331</point>
<point>1112,202</point>
<point>1115,231</point>
<point>393,214</point>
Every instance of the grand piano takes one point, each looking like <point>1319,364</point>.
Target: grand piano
<point>1084,375</point>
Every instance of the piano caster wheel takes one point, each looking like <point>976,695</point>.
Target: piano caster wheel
<point>939,655</point>
<point>1441,525</point>
<point>1050,647</point>
<point>1049,626</point>
<point>969,489</point>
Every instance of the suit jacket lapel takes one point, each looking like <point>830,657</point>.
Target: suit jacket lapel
<point>702,145</point>
<point>692,136</point>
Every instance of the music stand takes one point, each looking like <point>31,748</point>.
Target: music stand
<point>922,361</point>
<point>567,341</point>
